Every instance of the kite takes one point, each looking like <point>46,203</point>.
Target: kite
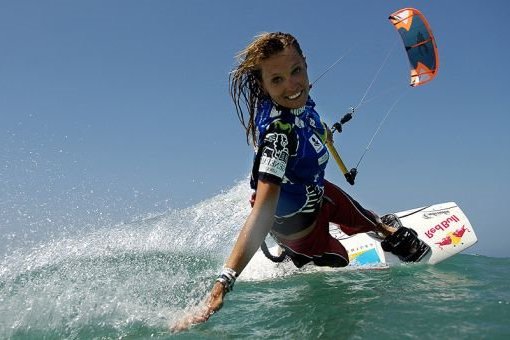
<point>419,43</point>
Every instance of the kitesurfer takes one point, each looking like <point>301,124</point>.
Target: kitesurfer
<point>292,200</point>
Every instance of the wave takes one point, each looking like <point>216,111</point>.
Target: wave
<point>140,277</point>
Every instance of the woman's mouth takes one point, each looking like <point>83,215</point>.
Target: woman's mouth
<point>295,96</point>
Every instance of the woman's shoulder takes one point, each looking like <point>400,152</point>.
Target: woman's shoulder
<point>267,114</point>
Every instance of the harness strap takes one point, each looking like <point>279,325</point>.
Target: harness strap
<point>267,253</point>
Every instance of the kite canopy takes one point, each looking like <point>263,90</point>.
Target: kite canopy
<point>419,43</point>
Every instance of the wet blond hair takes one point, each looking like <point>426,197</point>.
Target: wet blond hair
<point>245,81</point>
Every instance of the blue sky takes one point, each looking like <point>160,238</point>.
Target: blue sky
<point>113,109</point>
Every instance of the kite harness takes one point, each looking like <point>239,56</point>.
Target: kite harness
<point>277,259</point>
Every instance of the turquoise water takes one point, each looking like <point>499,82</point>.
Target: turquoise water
<point>134,280</point>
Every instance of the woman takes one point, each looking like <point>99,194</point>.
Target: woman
<point>293,201</point>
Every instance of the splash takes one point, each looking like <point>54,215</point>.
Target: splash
<point>141,275</point>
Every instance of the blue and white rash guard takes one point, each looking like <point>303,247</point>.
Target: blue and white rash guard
<point>292,153</point>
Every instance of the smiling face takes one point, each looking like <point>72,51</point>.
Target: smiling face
<point>285,78</point>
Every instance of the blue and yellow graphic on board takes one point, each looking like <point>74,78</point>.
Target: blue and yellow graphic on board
<point>367,256</point>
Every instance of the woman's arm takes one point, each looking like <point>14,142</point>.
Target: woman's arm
<point>254,231</point>
<point>256,227</point>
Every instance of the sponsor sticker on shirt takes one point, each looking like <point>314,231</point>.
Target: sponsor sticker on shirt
<point>275,155</point>
<point>316,143</point>
<point>272,166</point>
<point>324,158</point>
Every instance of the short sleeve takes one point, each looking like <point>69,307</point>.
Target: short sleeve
<point>274,152</point>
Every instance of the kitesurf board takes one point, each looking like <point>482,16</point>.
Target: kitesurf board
<point>443,227</point>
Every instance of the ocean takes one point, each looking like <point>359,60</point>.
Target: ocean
<point>135,280</point>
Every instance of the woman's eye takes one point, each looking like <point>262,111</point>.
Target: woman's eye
<point>297,70</point>
<point>276,80</point>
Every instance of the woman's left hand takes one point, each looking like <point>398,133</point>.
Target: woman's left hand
<point>329,134</point>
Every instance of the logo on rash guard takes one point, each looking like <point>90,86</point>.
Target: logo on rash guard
<point>275,155</point>
<point>316,143</point>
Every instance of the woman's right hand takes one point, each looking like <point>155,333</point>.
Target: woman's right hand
<point>215,301</point>
<point>211,304</point>
<point>250,238</point>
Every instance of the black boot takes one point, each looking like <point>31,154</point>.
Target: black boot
<point>405,244</point>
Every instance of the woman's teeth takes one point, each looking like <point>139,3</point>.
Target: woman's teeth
<point>294,96</point>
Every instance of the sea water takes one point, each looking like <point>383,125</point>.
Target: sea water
<point>135,280</point>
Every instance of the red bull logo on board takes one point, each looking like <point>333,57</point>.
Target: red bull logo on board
<point>453,238</point>
<point>443,225</point>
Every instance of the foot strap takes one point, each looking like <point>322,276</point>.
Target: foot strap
<point>405,244</point>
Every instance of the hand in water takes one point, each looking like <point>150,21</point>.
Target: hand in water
<point>212,304</point>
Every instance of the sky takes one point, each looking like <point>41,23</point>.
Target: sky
<point>111,110</point>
